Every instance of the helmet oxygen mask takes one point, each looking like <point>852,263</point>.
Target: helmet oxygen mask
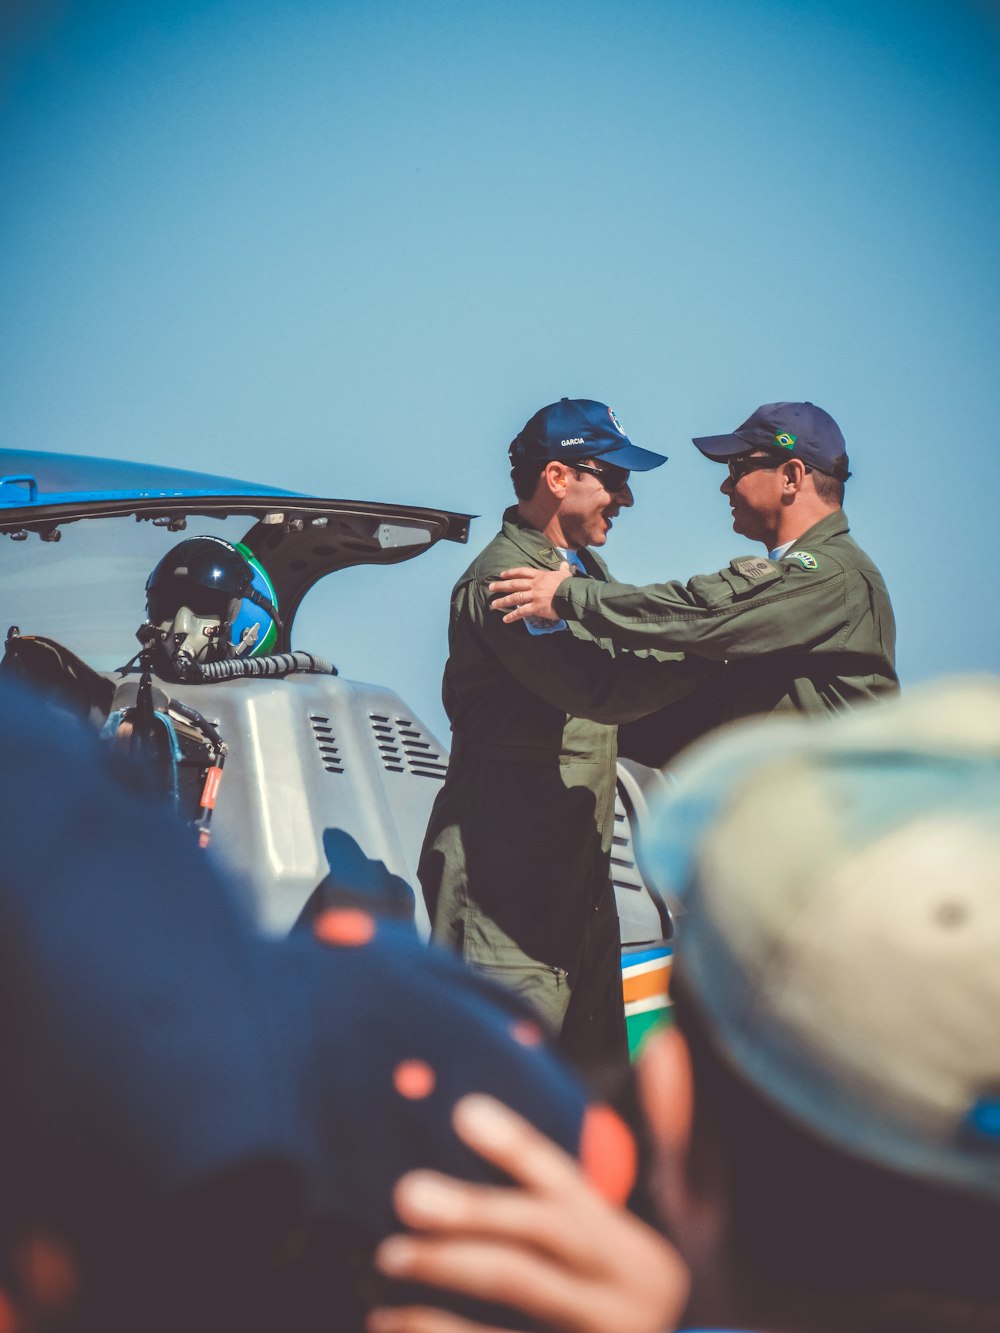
<point>190,636</point>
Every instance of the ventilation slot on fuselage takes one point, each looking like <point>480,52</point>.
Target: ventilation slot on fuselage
<point>388,746</point>
<point>400,741</point>
<point>624,872</point>
<point>329,751</point>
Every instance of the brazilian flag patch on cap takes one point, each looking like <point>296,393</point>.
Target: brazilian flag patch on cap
<point>785,440</point>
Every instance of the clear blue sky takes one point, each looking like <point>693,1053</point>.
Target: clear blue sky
<point>350,248</point>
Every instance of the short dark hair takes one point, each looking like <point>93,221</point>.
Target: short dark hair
<point>824,1239</point>
<point>524,476</point>
<point>830,487</point>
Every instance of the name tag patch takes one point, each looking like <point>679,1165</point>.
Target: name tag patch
<point>535,626</point>
<point>753,567</point>
<point>806,560</point>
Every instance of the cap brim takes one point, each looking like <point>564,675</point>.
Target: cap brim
<point>721,447</point>
<point>631,457</point>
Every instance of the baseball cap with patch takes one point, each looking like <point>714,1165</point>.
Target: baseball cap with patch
<point>838,892</point>
<point>577,428</point>
<point>792,430</point>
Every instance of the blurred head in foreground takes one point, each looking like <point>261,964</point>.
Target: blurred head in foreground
<point>199,1128</point>
<point>828,1109</point>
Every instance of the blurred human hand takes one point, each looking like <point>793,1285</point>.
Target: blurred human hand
<point>552,1248</point>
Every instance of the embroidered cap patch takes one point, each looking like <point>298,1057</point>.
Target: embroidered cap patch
<point>806,560</point>
<point>785,440</point>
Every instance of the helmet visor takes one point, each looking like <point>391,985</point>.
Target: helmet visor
<point>167,595</point>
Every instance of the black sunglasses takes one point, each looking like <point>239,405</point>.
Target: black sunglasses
<point>612,478</point>
<point>739,467</point>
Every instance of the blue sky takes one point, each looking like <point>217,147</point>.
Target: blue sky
<point>350,248</point>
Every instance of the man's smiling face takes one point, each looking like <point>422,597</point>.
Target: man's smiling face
<point>754,487</point>
<point>595,492</point>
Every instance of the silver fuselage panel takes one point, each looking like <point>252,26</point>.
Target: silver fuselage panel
<point>313,755</point>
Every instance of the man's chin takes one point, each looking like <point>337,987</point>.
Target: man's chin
<point>742,531</point>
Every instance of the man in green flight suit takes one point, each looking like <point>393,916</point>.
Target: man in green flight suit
<point>515,866</point>
<point>808,628</point>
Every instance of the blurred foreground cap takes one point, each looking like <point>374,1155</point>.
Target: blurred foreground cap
<point>576,428</point>
<point>839,891</point>
<point>154,1049</point>
<point>132,1014</point>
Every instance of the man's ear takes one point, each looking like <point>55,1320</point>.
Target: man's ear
<point>795,474</point>
<point>666,1091</point>
<point>555,476</point>
<point>47,1279</point>
<point>9,1319</point>
<point>695,1219</point>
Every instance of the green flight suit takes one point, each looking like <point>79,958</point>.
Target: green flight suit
<point>812,631</point>
<point>515,861</point>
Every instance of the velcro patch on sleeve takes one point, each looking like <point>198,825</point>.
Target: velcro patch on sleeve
<point>534,625</point>
<point>754,567</point>
<point>804,558</point>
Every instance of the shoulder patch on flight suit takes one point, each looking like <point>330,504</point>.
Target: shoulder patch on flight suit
<point>753,567</point>
<point>806,560</point>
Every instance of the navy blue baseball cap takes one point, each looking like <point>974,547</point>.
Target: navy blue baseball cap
<point>576,428</point>
<point>793,430</point>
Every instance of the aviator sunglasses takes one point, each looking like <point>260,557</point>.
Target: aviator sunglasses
<point>740,466</point>
<point>612,478</point>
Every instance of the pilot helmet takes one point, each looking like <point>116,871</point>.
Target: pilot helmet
<point>210,600</point>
